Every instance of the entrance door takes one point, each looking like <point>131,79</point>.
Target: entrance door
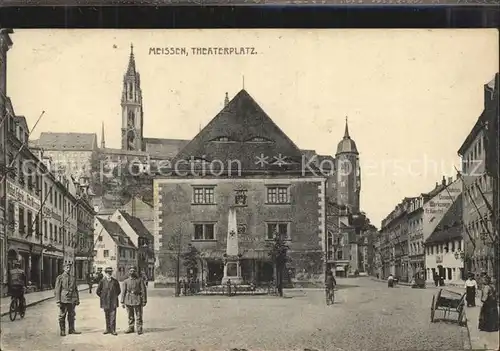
<point>215,272</point>
<point>266,272</point>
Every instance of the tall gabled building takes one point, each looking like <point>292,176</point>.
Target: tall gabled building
<point>241,160</point>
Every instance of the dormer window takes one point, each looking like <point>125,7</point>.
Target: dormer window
<point>258,140</point>
<point>222,139</point>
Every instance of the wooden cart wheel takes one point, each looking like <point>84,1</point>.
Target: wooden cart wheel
<point>433,309</point>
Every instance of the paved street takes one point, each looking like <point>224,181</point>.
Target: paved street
<point>367,316</point>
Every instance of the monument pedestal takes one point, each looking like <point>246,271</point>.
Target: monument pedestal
<point>232,271</point>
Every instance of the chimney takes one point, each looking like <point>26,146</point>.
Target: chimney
<point>437,184</point>
<point>450,180</point>
<point>444,180</point>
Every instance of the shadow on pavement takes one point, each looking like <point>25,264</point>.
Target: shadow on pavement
<point>346,286</point>
<point>158,330</point>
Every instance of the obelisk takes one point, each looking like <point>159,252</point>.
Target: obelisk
<point>232,268</point>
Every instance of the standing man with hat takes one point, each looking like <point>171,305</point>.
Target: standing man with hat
<point>134,298</point>
<point>108,291</point>
<point>67,298</point>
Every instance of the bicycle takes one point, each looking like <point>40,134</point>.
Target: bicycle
<point>330,296</point>
<point>15,308</point>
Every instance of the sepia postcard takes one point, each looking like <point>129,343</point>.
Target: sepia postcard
<point>260,190</point>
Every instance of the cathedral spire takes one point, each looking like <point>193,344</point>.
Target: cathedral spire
<point>131,61</point>
<point>103,143</point>
<point>346,133</point>
<point>226,100</point>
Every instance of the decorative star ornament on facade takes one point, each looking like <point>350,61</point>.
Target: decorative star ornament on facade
<point>232,233</point>
<point>262,160</point>
<point>280,160</point>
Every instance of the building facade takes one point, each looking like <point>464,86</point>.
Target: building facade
<point>443,247</point>
<point>479,188</point>
<point>113,248</point>
<point>84,260</point>
<point>241,160</point>
<point>71,153</point>
<point>416,252</point>
<point>142,239</point>
<point>5,45</point>
<point>395,229</point>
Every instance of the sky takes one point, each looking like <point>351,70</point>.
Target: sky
<point>411,96</point>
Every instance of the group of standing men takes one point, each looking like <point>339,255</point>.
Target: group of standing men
<point>133,298</point>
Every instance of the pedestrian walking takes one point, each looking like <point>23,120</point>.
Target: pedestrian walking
<point>67,297</point>
<point>436,279</point>
<point>488,316</point>
<point>108,291</point>
<point>145,278</point>
<point>90,281</point>
<point>134,298</point>
<point>470,291</point>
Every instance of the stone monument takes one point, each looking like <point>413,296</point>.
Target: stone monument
<point>232,267</point>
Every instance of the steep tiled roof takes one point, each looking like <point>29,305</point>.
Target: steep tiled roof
<point>116,232</point>
<point>137,225</point>
<point>450,226</point>
<point>68,141</point>
<point>241,133</point>
<point>164,147</point>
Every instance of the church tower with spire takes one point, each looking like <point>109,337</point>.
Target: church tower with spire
<point>348,172</point>
<point>132,109</point>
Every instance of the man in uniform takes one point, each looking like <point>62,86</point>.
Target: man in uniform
<point>108,291</point>
<point>134,298</point>
<point>17,283</point>
<point>67,298</point>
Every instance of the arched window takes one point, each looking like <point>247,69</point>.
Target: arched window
<point>130,91</point>
<point>130,122</point>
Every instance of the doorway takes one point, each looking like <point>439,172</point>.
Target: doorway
<point>215,272</point>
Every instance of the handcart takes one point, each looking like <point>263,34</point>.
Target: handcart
<point>418,280</point>
<point>448,301</point>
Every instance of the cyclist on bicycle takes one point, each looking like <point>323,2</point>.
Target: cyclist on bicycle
<point>330,283</point>
<point>17,284</point>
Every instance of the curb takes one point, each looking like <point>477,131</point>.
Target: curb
<point>467,341</point>
<point>38,301</point>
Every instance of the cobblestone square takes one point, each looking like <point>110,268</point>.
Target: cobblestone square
<point>366,316</point>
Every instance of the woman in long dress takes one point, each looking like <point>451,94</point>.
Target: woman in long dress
<point>488,316</point>
<point>470,290</point>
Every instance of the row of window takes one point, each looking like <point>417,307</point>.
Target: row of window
<point>472,190</point>
<point>444,248</point>
<point>479,227</point>
<point>275,195</point>
<point>27,179</point>
<point>415,224</point>
<point>416,247</point>
<point>473,155</point>
<point>206,231</point>
<point>29,224</point>
<point>121,252</point>
<point>25,219</point>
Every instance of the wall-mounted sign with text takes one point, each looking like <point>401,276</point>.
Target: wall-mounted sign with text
<point>22,196</point>
<point>438,206</point>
